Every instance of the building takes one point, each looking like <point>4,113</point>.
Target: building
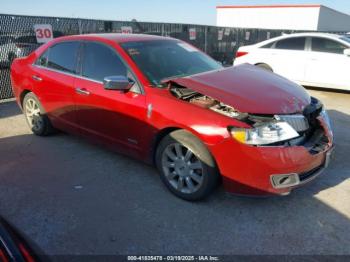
<point>285,17</point>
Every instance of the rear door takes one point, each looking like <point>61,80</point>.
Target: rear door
<point>287,58</point>
<point>327,65</point>
<point>53,76</point>
<point>112,116</point>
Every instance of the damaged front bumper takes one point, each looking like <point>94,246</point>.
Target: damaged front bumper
<point>272,170</point>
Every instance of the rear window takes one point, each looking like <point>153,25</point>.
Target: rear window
<point>63,56</point>
<point>327,46</point>
<point>297,43</point>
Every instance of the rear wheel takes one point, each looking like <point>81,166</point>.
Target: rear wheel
<point>35,115</point>
<point>186,166</point>
<point>265,67</point>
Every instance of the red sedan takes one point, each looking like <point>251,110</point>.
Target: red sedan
<point>165,102</point>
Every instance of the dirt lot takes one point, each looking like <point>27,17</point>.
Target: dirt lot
<point>71,197</point>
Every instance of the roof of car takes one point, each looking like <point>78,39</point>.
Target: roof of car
<point>306,34</point>
<point>119,38</point>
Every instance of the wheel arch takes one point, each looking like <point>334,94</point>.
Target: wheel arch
<point>22,95</point>
<point>264,65</point>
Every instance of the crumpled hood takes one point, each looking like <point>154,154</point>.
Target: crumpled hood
<point>249,89</point>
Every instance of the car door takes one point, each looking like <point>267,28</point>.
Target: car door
<point>287,58</point>
<point>112,116</point>
<point>53,76</point>
<point>327,65</point>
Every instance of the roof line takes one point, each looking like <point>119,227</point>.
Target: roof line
<point>269,6</point>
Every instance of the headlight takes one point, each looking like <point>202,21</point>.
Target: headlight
<point>265,134</point>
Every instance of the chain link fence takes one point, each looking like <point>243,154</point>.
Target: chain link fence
<point>17,37</point>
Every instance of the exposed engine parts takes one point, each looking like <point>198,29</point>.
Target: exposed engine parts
<point>203,101</point>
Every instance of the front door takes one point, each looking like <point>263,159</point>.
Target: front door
<point>115,117</point>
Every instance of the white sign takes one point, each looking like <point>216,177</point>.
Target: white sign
<point>43,33</point>
<point>220,34</point>
<point>227,31</point>
<point>193,34</point>
<point>268,35</point>
<point>126,29</point>
<point>247,36</point>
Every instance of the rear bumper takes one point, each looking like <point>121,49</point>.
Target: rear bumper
<point>248,170</point>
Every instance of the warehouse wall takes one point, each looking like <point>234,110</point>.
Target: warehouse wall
<point>332,20</point>
<point>287,18</point>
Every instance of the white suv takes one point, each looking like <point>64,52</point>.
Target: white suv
<point>310,59</point>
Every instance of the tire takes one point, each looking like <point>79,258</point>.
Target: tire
<point>35,115</point>
<point>265,67</point>
<point>186,166</point>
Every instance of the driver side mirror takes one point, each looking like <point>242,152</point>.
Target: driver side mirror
<point>347,52</point>
<point>117,83</point>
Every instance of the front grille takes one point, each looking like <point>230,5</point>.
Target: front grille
<point>298,122</point>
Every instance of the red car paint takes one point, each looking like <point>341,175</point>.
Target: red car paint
<point>250,89</point>
<point>133,123</point>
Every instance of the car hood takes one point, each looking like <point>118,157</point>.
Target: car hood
<point>249,89</point>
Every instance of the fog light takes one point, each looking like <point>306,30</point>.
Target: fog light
<point>283,181</point>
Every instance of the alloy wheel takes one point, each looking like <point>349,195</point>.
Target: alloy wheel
<point>182,168</point>
<point>32,112</point>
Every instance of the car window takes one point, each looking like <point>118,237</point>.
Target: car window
<point>62,57</point>
<point>100,61</point>
<point>42,60</point>
<point>296,43</point>
<point>270,45</point>
<point>327,46</point>
<point>163,59</point>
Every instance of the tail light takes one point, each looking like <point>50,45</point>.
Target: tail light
<point>241,53</point>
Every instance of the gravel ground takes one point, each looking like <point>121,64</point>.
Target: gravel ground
<point>71,197</point>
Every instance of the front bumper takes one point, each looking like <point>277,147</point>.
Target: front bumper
<point>248,170</point>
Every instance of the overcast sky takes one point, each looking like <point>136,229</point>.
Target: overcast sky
<point>173,11</point>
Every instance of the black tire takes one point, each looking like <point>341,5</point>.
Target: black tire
<point>265,67</point>
<point>45,128</point>
<point>208,172</point>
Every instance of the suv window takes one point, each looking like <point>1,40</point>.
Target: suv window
<point>296,43</point>
<point>327,46</point>
<point>100,61</point>
<point>63,56</point>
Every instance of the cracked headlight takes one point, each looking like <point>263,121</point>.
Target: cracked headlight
<point>265,134</point>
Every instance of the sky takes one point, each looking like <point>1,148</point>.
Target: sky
<point>171,11</point>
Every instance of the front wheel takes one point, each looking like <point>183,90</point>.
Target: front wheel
<point>186,166</point>
<point>35,115</point>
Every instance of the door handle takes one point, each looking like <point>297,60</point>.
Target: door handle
<point>82,91</point>
<point>37,78</point>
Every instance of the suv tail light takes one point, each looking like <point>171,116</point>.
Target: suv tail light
<point>241,53</point>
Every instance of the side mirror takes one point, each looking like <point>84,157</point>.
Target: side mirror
<point>347,52</point>
<point>117,83</point>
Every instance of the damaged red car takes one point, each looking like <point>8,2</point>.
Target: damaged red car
<point>165,102</point>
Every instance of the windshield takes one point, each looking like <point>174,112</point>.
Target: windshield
<point>163,59</point>
<point>346,38</point>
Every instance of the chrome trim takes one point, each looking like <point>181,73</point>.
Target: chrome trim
<point>82,91</point>
<point>68,74</point>
<point>279,186</point>
<point>298,122</point>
